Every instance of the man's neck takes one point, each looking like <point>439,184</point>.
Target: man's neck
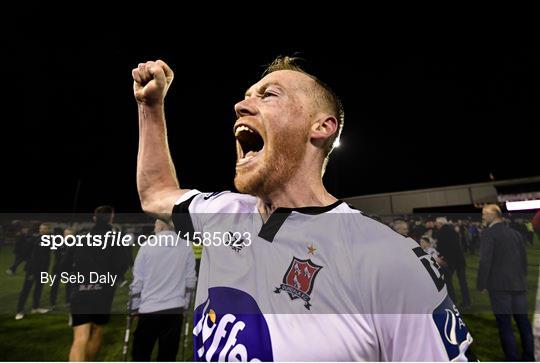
<point>296,193</point>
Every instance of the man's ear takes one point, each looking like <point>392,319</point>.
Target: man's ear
<point>323,129</point>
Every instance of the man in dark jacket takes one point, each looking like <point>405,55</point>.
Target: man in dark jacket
<point>503,274</point>
<point>453,260</point>
<point>38,263</point>
<point>22,250</point>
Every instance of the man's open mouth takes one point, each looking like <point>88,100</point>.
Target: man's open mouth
<point>250,141</point>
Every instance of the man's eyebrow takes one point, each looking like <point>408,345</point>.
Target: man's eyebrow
<point>263,87</point>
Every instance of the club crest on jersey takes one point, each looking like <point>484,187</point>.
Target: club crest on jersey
<point>299,279</point>
<point>236,243</point>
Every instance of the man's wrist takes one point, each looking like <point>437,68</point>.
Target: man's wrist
<point>153,107</point>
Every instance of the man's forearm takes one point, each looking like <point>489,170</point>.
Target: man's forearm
<point>156,177</point>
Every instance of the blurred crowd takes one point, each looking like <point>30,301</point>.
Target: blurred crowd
<point>502,274</point>
<point>449,239</point>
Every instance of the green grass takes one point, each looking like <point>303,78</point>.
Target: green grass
<point>48,337</point>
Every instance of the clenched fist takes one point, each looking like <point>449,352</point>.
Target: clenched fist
<point>151,80</point>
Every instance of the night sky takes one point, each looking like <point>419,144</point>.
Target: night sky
<point>424,108</point>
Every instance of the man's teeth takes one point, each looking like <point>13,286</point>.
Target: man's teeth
<point>242,128</point>
<point>250,155</point>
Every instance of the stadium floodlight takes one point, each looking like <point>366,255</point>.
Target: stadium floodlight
<point>523,205</point>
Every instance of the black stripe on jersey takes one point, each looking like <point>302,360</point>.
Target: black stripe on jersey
<point>214,194</point>
<point>271,227</point>
<point>279,216</point>
<point>419,252</point>
<point>181,218</point>
<point>315,210</point>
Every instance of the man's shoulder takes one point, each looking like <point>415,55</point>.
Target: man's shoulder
<point>373,242</point>
<point>368,228</point>
<point>495,230</point>
<point>404,276</point>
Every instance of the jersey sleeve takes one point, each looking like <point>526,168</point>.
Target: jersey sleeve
<point>184,214</point>
<point>194,209</point>
<point>404,290</point>
<point>440,336</point>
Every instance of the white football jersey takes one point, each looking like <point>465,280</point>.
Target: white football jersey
<point>313,284</point>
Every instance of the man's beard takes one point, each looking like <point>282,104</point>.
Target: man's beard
<point>279,165</point>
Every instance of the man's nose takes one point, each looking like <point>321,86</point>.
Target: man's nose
<point>245,108</point>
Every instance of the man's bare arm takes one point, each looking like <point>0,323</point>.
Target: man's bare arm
<point>157,184</point>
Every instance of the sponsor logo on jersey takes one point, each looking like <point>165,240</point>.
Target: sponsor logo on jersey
<point>452,329</point>
<point>299,280</point>
<point>229,326</point>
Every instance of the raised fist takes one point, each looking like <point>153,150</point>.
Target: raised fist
<point>151,80</point>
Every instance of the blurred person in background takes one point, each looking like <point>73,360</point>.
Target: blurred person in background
<point>22,250</point>
<point>427,245</point>
<point>163,279</point>
<point>502,273</point>
<point>37,263</point>
<point>430,226</point>
<point>474,237</point>
<point>452,259</point>
<point>91,303</point>
<point>520,226</point>
<point>461,229</point>
<point>401,227</point>
<point>530,231</point>
<point>418,230</point>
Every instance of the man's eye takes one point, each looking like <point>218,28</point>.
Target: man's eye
<point>267,94</point>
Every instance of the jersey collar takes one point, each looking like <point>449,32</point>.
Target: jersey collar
<point>272,226</point>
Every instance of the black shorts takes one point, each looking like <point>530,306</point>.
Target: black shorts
<point>80,319</point>
<point>92,302</point>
